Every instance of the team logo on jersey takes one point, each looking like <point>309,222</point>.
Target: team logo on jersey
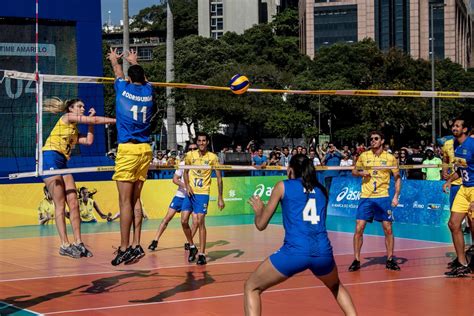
<point>383,162</point>
<point>389,213</point>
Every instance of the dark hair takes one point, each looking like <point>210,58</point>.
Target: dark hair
<point>45,190</point>
<point>466,122</point>
<point>69,103</point>
<point>202,134</point>
<point>82,189</point>
<point>303,168</point>
<point>136,74</point>
<point>379,133</point>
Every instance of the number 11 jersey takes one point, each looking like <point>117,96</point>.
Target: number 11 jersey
<point>134,107</point>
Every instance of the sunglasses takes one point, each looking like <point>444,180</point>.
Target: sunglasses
<point>374,138</point>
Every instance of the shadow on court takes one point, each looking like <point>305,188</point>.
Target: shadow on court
<point>107,284</point>
<point>190,284</point>
<point>372,261</point>
<point>219,254</point>
<point>208,245</point>
<point>21,304</point>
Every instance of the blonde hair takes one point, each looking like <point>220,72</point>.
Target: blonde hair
<point>56,105</point>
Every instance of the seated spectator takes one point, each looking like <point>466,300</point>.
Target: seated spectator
<point>86,207</point>
<point>346,162</point>
<point>432,174</point>
<point>259,159</point>
<point>46,208</point>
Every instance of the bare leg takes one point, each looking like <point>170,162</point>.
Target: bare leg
<point>164,223</point>
<point>194,226</point>
<point>342,296</point>
<point>201,223</point>
<point>261,279</point>
<point>389,240</point>
<point>454,225</point>
<point>126,212</point>
<point>185,224</point>
<point>137,213</point>
<point>55,185</point>
<point>359,238</point>
<point>73,203</point>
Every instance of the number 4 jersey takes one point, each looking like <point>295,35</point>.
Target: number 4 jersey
<point>464,161</point>
<point>134,107</point>
<point>304,220</point>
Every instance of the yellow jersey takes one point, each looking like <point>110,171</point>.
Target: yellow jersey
<point>86,210</point>
<point>46,207</point>
<point>378,183</point>
<point>62,138</point>
<point>200,180</point>
<point>448,151</point>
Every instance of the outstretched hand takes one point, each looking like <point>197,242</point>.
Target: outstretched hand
<point>113,56</point>
<point>92,112</point>
<point>256,203</point>
<point>132,57</point>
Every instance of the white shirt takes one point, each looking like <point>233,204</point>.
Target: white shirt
<point>316,161</point>
<point>346,163</point>
<point>181,193</point>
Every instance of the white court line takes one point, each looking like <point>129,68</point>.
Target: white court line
<point>189,265</point>
<point>239,294</point>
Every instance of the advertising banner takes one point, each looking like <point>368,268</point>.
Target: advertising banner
<point>19,203</point>
<point>421,201</point>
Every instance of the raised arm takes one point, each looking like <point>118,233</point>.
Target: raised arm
<point>114,57</point>
<point>263,213</point>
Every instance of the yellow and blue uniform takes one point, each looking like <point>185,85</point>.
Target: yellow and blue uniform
<point>58,146</point>
<point>134,109</point>
<point>86,211</point>
<point>464,161</point>
<point>199,180</point>
<point>375,201</point>
<point>448,151</point>
<point>306,244</point>
<point>46,207</point>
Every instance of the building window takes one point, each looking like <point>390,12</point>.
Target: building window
<point>392,24</point>
<point>335,24</point>
<point>217,9</point>
<point>144,53</point>
<point>217,24</point>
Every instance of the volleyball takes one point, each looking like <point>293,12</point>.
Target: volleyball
<point>239,84</point>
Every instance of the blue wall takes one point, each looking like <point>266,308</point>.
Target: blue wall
<point>86,15</point>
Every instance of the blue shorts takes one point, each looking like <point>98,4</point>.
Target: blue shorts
<point>196,203</point>
<point>379,209</point>
<point>53,160</point>
<point>291,264</point>
<point>452,194</point>
<point>177,203</point>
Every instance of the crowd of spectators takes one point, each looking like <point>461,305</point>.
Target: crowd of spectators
<point>328,154</point>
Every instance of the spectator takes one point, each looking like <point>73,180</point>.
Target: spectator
<point>432,174</point>
<point>86,207</point>
<point>415,159</point>
<point>285,157</point>
<point>259,159</point>
<point>304,151</point>
<point>294,151</point>
<point>346,162</point>
<point>46,208</point>
<point>402,160</point>
<point>332,158</point>
<point>238,148</point>
<point>314,158</point>
<point>273,161</point>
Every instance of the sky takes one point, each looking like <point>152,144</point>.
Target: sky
<point>115,6</point>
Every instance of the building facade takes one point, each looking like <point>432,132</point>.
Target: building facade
<point>405,24</point>
<point>215,17</point>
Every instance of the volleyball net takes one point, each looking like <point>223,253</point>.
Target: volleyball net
<point>26,125</point>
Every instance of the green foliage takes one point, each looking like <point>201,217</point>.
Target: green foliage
<point>268,54</point>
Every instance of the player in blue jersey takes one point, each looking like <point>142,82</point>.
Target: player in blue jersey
<point>462,204</point>
<point>134,108</point>
<point>306,245</point>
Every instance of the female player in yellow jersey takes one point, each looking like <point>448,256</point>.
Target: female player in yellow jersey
<point>56,153</point>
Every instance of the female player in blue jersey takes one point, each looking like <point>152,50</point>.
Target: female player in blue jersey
<point>306,244</point>
<point>134,108</point>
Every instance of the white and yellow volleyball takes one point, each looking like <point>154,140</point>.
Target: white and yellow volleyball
<point>239,84</point>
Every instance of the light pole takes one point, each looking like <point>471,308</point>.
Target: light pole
<point>433,5</point>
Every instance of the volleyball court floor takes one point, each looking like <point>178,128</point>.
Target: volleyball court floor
<point>35,279</point>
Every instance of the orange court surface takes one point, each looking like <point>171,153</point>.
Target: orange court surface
<point>35,279</point>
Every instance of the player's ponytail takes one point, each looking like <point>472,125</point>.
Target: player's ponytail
<point>56,105</point>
